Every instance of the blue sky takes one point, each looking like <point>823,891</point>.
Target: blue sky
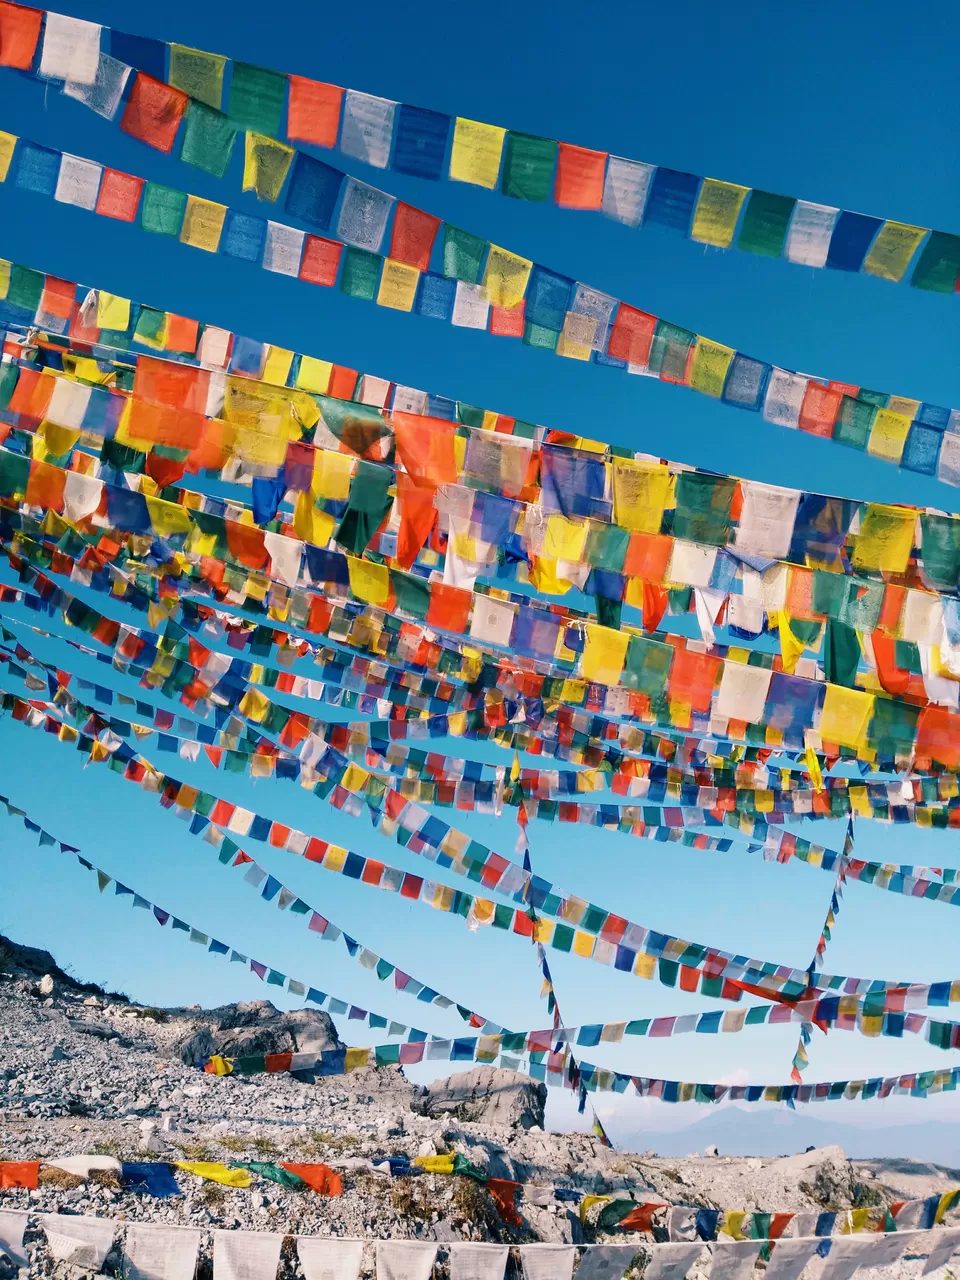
<point>817,102</point>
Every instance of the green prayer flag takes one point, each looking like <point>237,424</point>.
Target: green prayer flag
<point>606,546</point>
<point>528,166</point>
<point>272,1172</point>
<point>14,475</point>
<point>535,335</point>
<point>462,1165</point>
<point>669,351</point>
<point>162,209</point>
<point>703,507</point>
<point>413,597</point>
<point>208,139</point>
<point>368,505</point>
<point>358,426</point>
<point>26,288</point>
<point>765,222</point>
<point>854,422</point>
<point>386,1054</point>
<point>893,729</point>
<point>256,98</point>
<point>9,377</point>
<point>463,254</point>
<point>939,263</point>
<point>150,326</point>
<point>611,1214</point>
<point>940,548</point>
<point>647,666</point>
<point>361,273</point>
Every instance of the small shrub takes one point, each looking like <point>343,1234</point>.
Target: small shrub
<point>196,1151</point>
<point>264,1146</point>
<point>51,1177</point>
<point>107,1148</point>
<point>233,1142</point>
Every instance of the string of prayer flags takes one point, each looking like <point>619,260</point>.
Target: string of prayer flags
<point>429,144</point>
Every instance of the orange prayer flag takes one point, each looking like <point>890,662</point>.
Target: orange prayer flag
<point>246,544</point>
<point>693,677</point>
<point>164,424</point>
<point>320,261</point>
<point>313,114</point>
<point>579,177</point>
<point>19,1173</point>
<point>632,335</point>
<point>938,735</point>
<point>45,486</point>
<point>58,295</point>
<point>153,112</point>
<point>19,33</point>
<point>413,235</point>
<point>181,333</point>
<point>449,607</point>
<point>119,195</point>
<point>318,1177</point>
<point>418,515</point>
<point>343,383</point>
<point>648,555</point>
<point>819,409</point>
<point>426,449</point>
<point>31,395</point>
<point>176,386</point>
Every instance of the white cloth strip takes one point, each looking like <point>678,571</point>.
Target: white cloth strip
<point>154,1251</point>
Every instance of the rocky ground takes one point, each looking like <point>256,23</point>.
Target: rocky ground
<point>83,1072</point>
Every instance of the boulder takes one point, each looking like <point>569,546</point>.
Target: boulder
<point>487,1095</point>
<point>253,1027</point>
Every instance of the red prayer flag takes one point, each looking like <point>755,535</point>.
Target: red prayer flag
<point>632,335</point>
<point>153,112</point>
<point>313,114</point>
<point>321,258</point>
<point>450,608</point>
<point>413,235</point>
<point>318,1177</point>
<point>19,1173</point>
<point>580,173</point>
<point>119,195</point>
<point>19,33</point>
<point>505,1195</point>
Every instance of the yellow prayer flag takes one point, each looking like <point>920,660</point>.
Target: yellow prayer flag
<point>197,74</point>
<point>708,372</point>
<point>645,966</point>
<point>398,285</point>
<point>583,944</point>
<point>892,250</point>
<point>733,1223</point>
<point>167,517</point>
<point>791,649</point>
<point>641,493</point>
<point>332,473</point>
<point>812,762</point>
<point>369,582</point>
<point>572,350</point>
<point>885,539</point>
<point>314,374</point>
<point>717,211</point>
<point>354,1059</point>
<point>254,705</point>
<point>544,577</point>
<point>505,277</point>
<point>276,367</point>
<point>845,716</point>
<point>265,165</point>
<point>888,435</point>
<point>354,778</point>
<point>112,312</point>
<point>335,857</point>
<point>435,1164</point>
<point>220,1065</point>
<point>604,654</point>
<point>203,224</point>
<point>586,1203</point>
<point>4,277</point>
<point>214,1171</point>
<point>58,440</point>
<point>476,152</point>
<point>8,142</point>
<point>565,539</point>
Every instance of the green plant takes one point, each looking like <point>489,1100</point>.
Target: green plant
<point>213,1195</point>
<point>264,1146</point>
<point>196,1151</point>
<point>107,1148</point>
<point>234,1143</point>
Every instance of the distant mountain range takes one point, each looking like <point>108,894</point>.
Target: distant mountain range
<point>739,1132</point>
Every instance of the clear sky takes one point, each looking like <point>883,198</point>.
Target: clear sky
<point>839,105</point>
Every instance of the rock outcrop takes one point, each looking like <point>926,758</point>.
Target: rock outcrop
<point>487,1095</point>
<point>253,1027</point>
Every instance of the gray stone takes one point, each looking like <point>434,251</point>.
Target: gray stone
<point>487,1095</point>
<point>237,1030</point>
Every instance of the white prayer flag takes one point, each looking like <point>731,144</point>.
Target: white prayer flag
<point>246,1255</point>
<point>68,403</point>
<point>13,1223</point>
<point>327,1258</point>
<point>547,1261</point>
<point>492,620</point>
<point>367,130</point>
<point>478,1261</point>
<point>363,215</point>
<point>283,249</point>
<point>470,306</point>
<point>104,94</point>
<point>154,1251</point>
<point>734,1259</point>
<point>625,189</point>
<point>849,1253</point>
<point>785,392</point>
<point>78,183</point>
<point>605,1261</point>
<point>84,1242</point>
<point>672,1261</point>
<point>83,1166</point>
<point>765,526</point>
<point>681,1222</point>
<point>743,692</point>
<point>285,556</point>
<point>808,240</point>
<point>947,1243</point>
<point>789,1258</point>
<point>71,49</point>
<point>405,1260</point>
